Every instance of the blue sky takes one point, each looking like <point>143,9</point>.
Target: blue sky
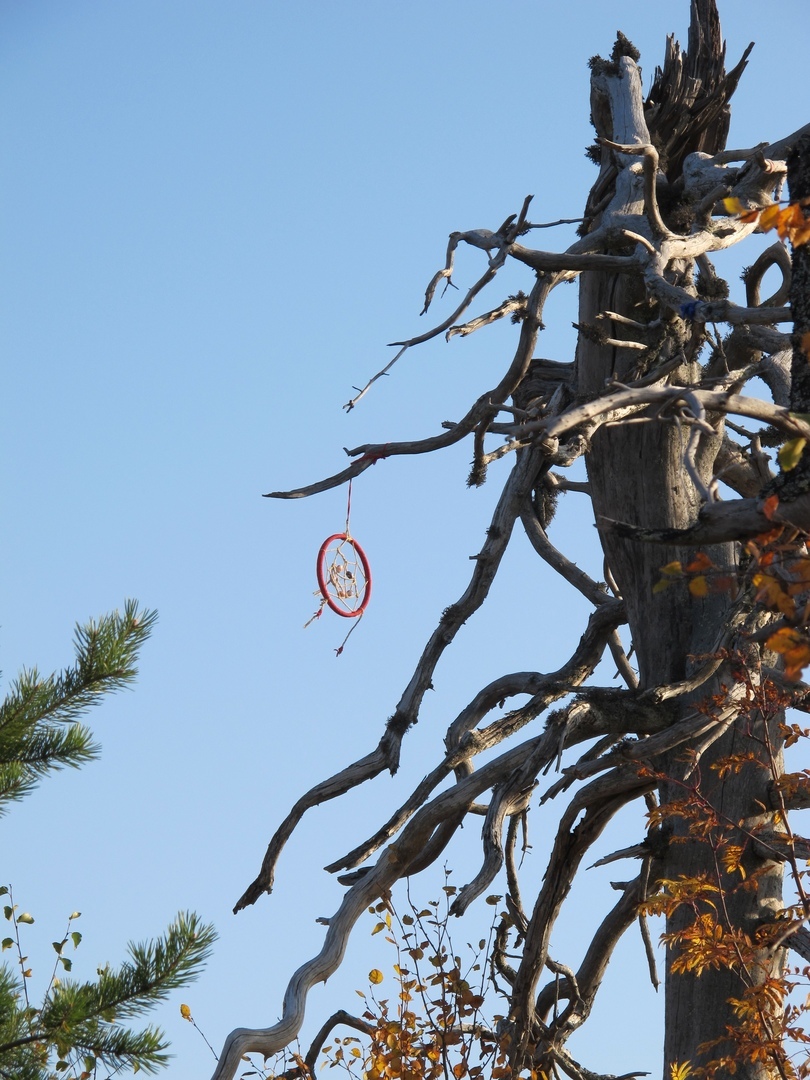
<point>215,215</point>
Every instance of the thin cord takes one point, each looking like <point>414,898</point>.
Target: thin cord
<point>348,511</point>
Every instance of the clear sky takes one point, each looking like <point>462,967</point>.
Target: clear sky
<point>214,216</point>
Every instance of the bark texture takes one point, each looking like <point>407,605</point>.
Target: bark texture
<point>636,474</point>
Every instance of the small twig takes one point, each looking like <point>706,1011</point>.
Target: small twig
<point>649,951</point>
<point>635,851</point>
<point>511,306</point>
<point>614,316</point>
<point>553,224</point>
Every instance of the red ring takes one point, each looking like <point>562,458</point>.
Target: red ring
<point>322,585</point>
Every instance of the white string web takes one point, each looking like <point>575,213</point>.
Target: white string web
<point>344,575</point>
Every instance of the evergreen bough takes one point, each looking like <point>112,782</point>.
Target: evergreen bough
<point>80,1026</point>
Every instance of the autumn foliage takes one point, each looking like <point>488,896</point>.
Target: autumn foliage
<point>778,572</point>
<point>772,1002</point>
<point>789,221</point>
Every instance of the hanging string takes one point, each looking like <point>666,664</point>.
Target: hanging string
<point>318,613</point>
<point>355,624</point>
<point>348,511</point>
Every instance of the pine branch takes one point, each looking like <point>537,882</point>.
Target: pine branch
<point>33,739</point>
<point>82,1018</point>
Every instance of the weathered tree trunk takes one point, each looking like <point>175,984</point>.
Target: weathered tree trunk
<point>654,417</point>
<point>637,475</point>
<point>798,177</point>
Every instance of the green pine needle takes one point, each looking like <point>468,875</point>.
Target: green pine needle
<point>38,718</point>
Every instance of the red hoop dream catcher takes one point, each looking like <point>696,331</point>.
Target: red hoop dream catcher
<point>344,576</point>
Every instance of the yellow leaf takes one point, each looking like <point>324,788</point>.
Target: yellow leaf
<point>185,1012</point>
<point>672,569</point>
<point>733,205</point>
<point>680,1070</point>
<point>790,453</point>
<point>375,976</point>
<point>699,586</point>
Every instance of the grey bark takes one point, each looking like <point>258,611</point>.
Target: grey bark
<point>636,475</point>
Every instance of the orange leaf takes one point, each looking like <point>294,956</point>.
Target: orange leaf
<point>799,578</point>
<point>771,503</point>
<point>794,646</point>
<point>771,593</point>
<point>792,217</point>
<point>784,639</point>
<point>800,235</point>
<point>769,217</point>
<point>700,562</point>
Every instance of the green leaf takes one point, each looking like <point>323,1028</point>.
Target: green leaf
<point>26,918</point>
<point>66,963</point>
<point>58,946</point>
<point>7,943</point>
<point>790,454</point>
<point>76,937</point>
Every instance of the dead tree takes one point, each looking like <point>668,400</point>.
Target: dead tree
<point>645,400</point>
